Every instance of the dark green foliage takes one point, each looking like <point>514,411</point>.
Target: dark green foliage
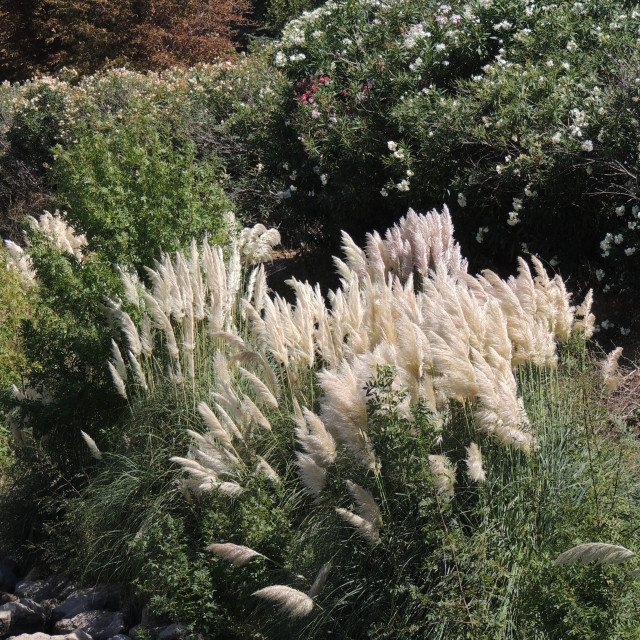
<point>136,189</point>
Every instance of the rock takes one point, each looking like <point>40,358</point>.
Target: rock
<point>150,619</point>
<point>8,577</point>
<point>176,631</point>
<point>76,635</point>
<point>120,636</point>
<point>34,590</point>
<point>100,625</point>
<point>82,600</point>
<point>21,617</point>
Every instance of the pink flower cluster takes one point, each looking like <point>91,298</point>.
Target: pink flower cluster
<point>310,87</point>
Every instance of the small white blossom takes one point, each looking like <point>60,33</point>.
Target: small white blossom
<point>620,210</point>
<point>587,145</point>
<point>403,185</point>
<point>513,218</point>
<point>629,251</point>
<point>599,274</point>
<point>462,200</point>
<point>392,145</point>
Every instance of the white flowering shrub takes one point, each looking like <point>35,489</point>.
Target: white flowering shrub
<point>522,116</point>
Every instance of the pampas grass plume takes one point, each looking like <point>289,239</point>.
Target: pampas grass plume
<point>117,380</point>
<point>474,463</point>
<point>609,370</point>
<point>292,602</point>
<point>320,580</point>
<point>93,447</point>
<point>443,476</point>
<point>599,552</point>
<point>238,555</point>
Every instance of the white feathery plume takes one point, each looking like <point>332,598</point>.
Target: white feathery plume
<point>118,361</point>
<point>367,530</point>
<point>475,471</point>
<point>311,474</point>
<point>262,392</point>
<point>238,555</point>
<point>146,336</point>
<point>195,469</point>
<point>234,276</point>
<point>230,489</point>
<point>189,341</point>
<point>443,476</point>
<point>609,368</point>
<point>230,338</point>
<point>230,425</point>
<point>252,410</point>
<point>367,507</point>
<point>265,468</point>
<point>117,380</point>
<point>586,320</point>
<point>162,321</point>
<point>197,285</point>
<point>219,460</point>
<point>130,287</point>
<point>137,369</point>
<point>598,552</point>
<point>320,580</point>
<point>248,290</point>
<point>291,601</point>
<point>344,408</point>
<point>221,367</point>
<point>130,331</point>
<point>213,425</point>
<point>93,447</point>
<point>230,403</point>
<point>313,437</point>
<point>261,289</point>
<point>253,357</point>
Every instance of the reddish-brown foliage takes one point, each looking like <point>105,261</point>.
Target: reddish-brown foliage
<point>40,36</point>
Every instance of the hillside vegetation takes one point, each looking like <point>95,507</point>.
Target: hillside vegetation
<point>403,454</point>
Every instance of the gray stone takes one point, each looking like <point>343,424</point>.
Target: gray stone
<point>37,590</point>
<point>75,635</point>
<point>120,636</point>
<point>100,625</point>
<point>87,600</point>
<point>21,617</point>
<point>176,631</point>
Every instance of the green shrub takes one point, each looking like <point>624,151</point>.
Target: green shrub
<point>134,190</point>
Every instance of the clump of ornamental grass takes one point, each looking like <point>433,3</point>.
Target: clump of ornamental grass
<point>409,432</point>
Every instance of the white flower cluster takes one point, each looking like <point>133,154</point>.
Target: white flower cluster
<point>414,34</point>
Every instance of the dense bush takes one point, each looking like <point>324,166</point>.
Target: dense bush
<point>522,116</point>
<point>372,489</point>
<point>41,36</point>
<point>134,189</point>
